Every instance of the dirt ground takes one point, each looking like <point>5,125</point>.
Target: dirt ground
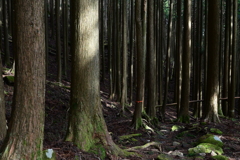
<point>57,106</point>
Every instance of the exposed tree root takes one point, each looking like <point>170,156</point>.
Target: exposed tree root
<point>155,144</point>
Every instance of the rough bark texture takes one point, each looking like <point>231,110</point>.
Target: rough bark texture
<point>212,92</point>
<point>58,41</point>
<point>169,40</point>
<point>137,119</point>
<point>184,115</point>
<point>5,28</point>
<point>179,55</point>
<point>25,135</point>
<point>87,128</point>
<point>125,57</point>
<point>3,128</point>
<point>226,60</point>
<point>151,57</point>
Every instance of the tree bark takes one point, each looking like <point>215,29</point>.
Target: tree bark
<point>137,117</point>
<point>184,108</point>
<point>226,59</point>
<point>212,92</point>
<point>6,42</point>
<point>125,56</point>
<point>151,64</point>
<point>25,135</point>
<point>169,39</point>
<point>87,128</point>
<point>58,42</point>
<point>232,86</point>
<point>3,127</point>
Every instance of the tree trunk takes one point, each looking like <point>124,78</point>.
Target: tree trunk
<point>169,39</point>
<point>6,43</point>
<point>125,56</point>
<point>46,33</point>
<point>137,117</point>
<point>87,128</point>
<point>232,86</point>
<point>25,135</point>
<point>3,129</point>
<point>179,55</point>
<point>226,60</point>
<point>65,37</point>
<point>184,108</point>
<point>151,63</point>
<point>58,42</point>
<point>212,92</point>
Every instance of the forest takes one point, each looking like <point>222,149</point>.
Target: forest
<point>119,79</point>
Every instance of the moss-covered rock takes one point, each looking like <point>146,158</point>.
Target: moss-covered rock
<point>209,138</point>
<point>164,157</point>
<point>205,148</point>
<point>220,157</point>
<point>176,128</point>
<point>215,130</point>
<point>49,154</point>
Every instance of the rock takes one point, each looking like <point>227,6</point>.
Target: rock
<point>176,144</point>
<point>215,130</point>
<point>213,153</point>
<point>176,153</point>
<point>49,154</point>
<point>202,154</point>
<point>205,148</point>
<point>186,145</point>
<point>209,138</point>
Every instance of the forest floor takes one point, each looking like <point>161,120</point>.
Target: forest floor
<point>169,142</point>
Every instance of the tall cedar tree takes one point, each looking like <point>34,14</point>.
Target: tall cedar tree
<point>25,135</point>
<point>3,128</point>
<point>212,92</point>
<point>151,57</point>
<point>87,128</point>
<point>184,115</point>
<point>232,82</point>
<point>137,117</point>
<point>125,56</point>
